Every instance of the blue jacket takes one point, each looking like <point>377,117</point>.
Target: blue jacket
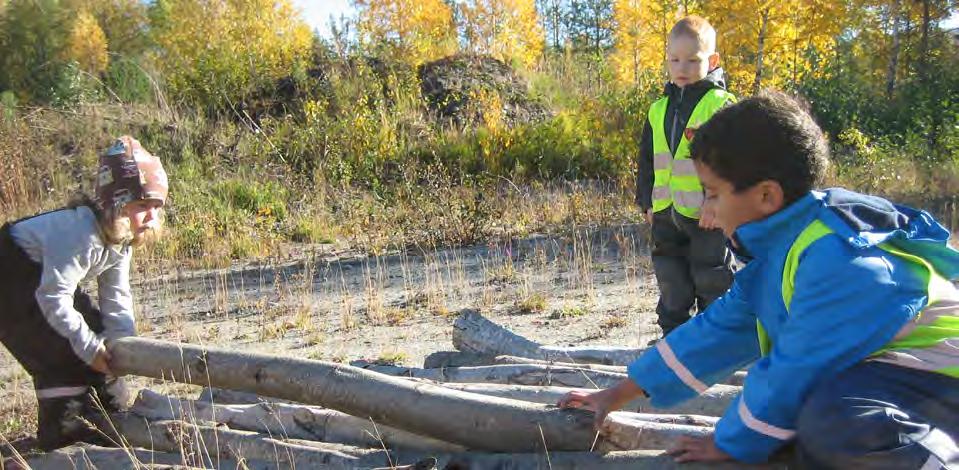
<point>851,298</point>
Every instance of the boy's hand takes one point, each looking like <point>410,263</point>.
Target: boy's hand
<point>697,449</point>
<point>648,215</point>
<point>101,362</point>
<point>602,402</point>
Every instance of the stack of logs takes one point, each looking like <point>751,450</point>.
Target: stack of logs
<point>489,405</point>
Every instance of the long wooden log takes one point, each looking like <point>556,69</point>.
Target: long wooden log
<point>83,457</point>
<point>516,374</point>
<point>88,457</point>
<point>472,332</point>
<point>443,359</point>
<point>287,421</point>
<point>712,402</point>
<point>623,460</point>
<point>210,444</point>
<point>482,422</point>
<point>228,444</point>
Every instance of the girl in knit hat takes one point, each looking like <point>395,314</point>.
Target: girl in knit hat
<point>47,322</point>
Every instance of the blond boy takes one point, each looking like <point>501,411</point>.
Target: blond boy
<point>692,265</point>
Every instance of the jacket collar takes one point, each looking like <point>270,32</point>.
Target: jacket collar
<point>761,238</point>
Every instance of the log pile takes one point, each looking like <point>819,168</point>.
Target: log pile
<point>489,405</point>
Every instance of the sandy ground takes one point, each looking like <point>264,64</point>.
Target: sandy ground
<point>591,286</point>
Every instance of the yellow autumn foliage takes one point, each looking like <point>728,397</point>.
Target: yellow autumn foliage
<point>415,31</point>
<point>642,28</point>
<point>765,43</point>
<point>215,49</point>
<point>506,29</point>
<point>87,44</point>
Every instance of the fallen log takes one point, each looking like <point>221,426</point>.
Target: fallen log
<point>89,457</point>
<point>287,421</point>
<point>516,374</point>
<point>224,443</point>
<point>712,402</point>
<point>472,332</point>
<point>623,460</point>
<point>482,422</point>
<point>210,444</point>
<point>84,457</point>
<point>445,359</point>
<point>438,359</point>
<point>224,396</point>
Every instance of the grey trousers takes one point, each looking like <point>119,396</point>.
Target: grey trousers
<point>693,267</point>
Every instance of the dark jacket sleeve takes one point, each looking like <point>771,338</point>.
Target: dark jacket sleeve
<point>644,177</point>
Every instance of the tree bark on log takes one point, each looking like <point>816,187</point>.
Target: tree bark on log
<point>515,374</point>
<point>287,421</point>
<point>712,402</point>
<point>89,457</point>
<point>474,333</point>
<point>446,359</point>
<point>210,444</point>
<point>482,422</point>
<point>225,443</point>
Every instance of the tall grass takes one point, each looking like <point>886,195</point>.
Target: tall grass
<point>359,160</point>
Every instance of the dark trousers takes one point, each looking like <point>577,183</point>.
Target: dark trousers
<point>61,379</point>
<point>693,267</point>
<point>881,416</point>
<point>47,356</point>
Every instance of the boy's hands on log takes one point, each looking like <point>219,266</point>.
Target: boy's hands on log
<point>101,361</point>
<point>697,449</point>
<point>602,402</point>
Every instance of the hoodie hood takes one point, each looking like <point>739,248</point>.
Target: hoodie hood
<point>866,221</point>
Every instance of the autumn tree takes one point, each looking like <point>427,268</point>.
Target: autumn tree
<point>506,29</point>
<point>766,43</point>
<point>416,31</point>
<point>31,38</point>
<point>641,32</point>
<point>213,52</point>
<point>590,24</point>
<point>552,14</point>
<point>87,44</point>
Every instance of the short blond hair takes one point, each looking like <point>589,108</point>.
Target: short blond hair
<point>696,27</point>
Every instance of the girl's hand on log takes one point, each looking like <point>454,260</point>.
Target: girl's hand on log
<point>101,361</point>
<point>697,449</point>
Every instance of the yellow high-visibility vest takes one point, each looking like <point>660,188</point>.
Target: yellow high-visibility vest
<point>921,342</point>
<point>675,182</point>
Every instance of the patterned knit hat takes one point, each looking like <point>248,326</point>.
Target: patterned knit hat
<point>127,173</point>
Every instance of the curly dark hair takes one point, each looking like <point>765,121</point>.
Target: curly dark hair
<point>770,136</point>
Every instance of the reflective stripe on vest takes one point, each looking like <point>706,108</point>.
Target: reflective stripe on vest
<point>930,341</point>
<point>675,181</point>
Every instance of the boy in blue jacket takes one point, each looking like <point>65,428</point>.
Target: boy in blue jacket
<point>845,307</point>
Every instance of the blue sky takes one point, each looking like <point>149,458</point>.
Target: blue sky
<point>317,12</point>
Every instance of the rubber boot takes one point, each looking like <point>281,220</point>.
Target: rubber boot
<point>66,420</point>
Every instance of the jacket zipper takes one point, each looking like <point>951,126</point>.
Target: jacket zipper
<point>673,145</point>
